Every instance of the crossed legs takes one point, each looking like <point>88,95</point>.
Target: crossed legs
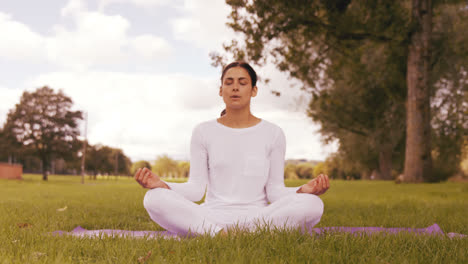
<point>178,215</point>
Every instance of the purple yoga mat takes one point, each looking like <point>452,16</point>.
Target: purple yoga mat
<point>431,230</point>
<point>81,232</point>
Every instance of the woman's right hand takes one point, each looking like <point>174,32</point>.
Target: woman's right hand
<point>148,179</point>
<point>316,186</point>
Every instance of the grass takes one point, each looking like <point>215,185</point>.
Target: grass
<point>117,204</point>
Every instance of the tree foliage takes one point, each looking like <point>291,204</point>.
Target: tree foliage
<point>44,122</point>
<point>138,165</point>
<point>353,57</point>
<point>450,90</point>
<point>10,148</point>
<point>164,166</point>
<point>101,159</point>
<point>183,168</point>
<point>305,170</point>
<point>290,172</point>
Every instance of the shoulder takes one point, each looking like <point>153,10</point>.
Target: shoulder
<point>205,125</point>
<point>272,128</point>
<point>275,136</point>
<point>201,130</point>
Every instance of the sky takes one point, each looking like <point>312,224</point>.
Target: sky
<point>141,71</point>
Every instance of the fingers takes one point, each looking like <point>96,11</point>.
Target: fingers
<point>318,186</point>
<point>325,183</point>
<point>142,175</point>
<point>146,177</point>
<point>137,174</point>
<point>313,185</point>
<point>322,184</point>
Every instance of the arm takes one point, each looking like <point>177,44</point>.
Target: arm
<point>275,188</point>
<point>194,188</point>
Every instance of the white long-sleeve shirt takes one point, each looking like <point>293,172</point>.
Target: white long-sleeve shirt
<point>237,166</point>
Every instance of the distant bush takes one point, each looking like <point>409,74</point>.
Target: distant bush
<point>290,172</point>
<point>305,170</point>
<point>164,166</point>
<point>139,164</point>
<point>319,169</point>
<point>184,168</point>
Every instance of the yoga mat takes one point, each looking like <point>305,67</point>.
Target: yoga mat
<point>99,233</point>
<point>430,230</point>
<point>81,232</point>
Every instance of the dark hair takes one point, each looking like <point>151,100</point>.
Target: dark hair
<point>242,64</point>
<point>247,67</point>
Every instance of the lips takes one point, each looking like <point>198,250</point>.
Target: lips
<point>235,97</point>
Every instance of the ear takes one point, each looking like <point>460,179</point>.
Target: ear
<point>221,91</point>
<point>254,91</point>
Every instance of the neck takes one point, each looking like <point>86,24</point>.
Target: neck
<point>238,118</point>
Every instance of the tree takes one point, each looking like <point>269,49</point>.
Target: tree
<point>122,164</point>
<point>138,165</point>
<point>319,169</point>
<point>5,146</point>
<point>290,171</point>
<point>449,81</point>
<point>305,170</point>
<point>418,162</point>
<point>339,167</point>
<point>184,168</point>
<point>344,55</point>
<point>364,108</point>
<point>324,44</point>
<point>101,159</point>
<point>164,166</point>
<point>43,121</point>
<point>12,151</point>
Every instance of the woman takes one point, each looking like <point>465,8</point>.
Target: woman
<point>239,159</point>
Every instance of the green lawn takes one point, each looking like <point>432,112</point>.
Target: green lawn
<point>117,204</point>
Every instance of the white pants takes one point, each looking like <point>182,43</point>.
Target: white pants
<point>178,215</point>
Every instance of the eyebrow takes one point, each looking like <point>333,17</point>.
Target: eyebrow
<point>241,78</point>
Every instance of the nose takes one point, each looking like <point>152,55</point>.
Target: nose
<point>235,87</point>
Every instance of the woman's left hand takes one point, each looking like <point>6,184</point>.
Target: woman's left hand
<point>316,186</point>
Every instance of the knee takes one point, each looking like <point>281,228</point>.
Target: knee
<point>311,205</point>
<point>154,198</point>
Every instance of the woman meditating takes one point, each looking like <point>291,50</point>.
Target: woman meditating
<point>239,160</point>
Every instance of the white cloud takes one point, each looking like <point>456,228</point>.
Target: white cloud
<point>19,42</point>
<point>10,97</point>
<point>141,3</point>
<point>98,39</point>
<point>145,114</point>
<point>150,47</point>
<point>94,39</point>
<point>73,7</point>
<point>204,24</point>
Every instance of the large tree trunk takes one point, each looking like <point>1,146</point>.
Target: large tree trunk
<point>418,161</point>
